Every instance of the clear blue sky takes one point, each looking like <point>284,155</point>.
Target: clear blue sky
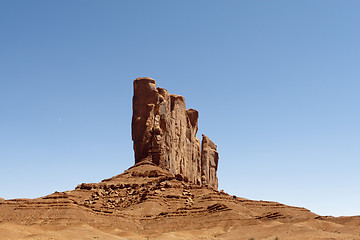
<point>276,84</point>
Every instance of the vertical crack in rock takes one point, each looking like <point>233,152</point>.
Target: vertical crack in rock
<point>164,133</point>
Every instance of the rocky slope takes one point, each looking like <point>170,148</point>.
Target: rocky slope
<point>148,202</point>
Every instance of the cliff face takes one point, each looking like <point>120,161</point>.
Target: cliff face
<point>164,132</point>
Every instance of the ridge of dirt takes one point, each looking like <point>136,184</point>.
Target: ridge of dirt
<point>147,202</point>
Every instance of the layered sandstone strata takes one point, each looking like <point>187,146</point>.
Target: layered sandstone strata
<point>164,133</point>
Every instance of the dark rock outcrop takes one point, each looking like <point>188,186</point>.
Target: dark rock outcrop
<point>164,133</point>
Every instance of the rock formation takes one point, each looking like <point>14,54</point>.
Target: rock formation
<point>209,162</point>
<point>170,193</point>
<point>164,133</point>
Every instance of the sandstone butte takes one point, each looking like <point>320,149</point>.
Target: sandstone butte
<point>170,192</point>
<point>164,133</point>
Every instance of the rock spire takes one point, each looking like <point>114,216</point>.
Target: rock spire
<point>164,133</point>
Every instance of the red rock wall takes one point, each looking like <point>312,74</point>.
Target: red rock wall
<point>209,162</point>
<point>164,132</point>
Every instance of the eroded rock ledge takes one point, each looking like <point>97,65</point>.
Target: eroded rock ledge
<point>164,133</point>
